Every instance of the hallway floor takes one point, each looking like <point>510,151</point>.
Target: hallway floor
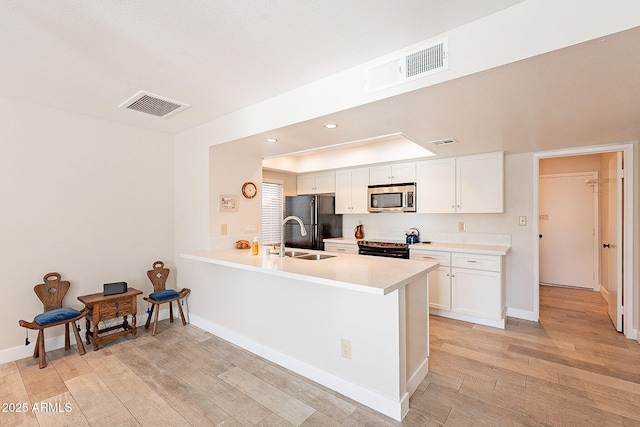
<point>571,369</point>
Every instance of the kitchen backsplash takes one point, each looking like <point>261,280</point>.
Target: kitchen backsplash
<point>434,228</point>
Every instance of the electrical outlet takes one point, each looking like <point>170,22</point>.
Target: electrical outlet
<point>345,348</point>
<point>522,220</point>
<point>462,226</point>
<point>223,229</point>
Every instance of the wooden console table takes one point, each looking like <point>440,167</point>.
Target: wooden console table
<point>103,308</point>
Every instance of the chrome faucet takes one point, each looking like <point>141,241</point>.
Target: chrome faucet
<point>303,231</point>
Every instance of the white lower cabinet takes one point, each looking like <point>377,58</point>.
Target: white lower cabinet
<point>439,279</point>
<point>476,293</point>
<point>467,287</point>
<point>440,288</point>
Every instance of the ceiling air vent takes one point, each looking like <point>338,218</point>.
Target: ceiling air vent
<point>155,105</point>
<point>399,68</point>
<point>445,141</point>
<point>427,60</point>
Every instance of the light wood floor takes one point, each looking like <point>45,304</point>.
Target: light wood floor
<point>571,369</point>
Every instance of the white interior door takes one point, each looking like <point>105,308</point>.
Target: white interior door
<point>568,230</point>
<point>612,243</point>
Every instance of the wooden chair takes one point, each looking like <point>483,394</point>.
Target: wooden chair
<point>160,295</point>
<point>51,293</point>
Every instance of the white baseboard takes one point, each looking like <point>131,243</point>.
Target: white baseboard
<point>494,323</point>
<point>522,314</point>
<point>56,342</point>
<point>367,397</point>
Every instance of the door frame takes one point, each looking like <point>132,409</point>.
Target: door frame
<point>630,288</point>
<point>595,252</point>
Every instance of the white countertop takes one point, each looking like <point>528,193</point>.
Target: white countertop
<point>378,275</point>
<point>444,247</point>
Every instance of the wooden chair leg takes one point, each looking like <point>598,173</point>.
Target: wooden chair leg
<point>146,325</point>
<point>156,308</point>
<point>179,302</point>
<point>67,340</point>
<point>170,311</point>
<point>41,352</point>
<point>36,349</point>
<point>79,342</point>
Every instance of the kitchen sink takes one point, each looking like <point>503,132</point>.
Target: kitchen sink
<point>315,257</point>
<point>295,254</point>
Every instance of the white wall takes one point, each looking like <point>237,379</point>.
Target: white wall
<point>228,171</point>
<point>88,198</point>
<point>515,30</point>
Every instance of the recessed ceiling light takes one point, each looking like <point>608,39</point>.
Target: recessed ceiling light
<point>331,125</point>
<point>272,140</point>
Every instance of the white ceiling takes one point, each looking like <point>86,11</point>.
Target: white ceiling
<point>223,55</point>
<point>217,55</point>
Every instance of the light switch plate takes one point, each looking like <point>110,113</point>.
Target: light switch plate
<point>462,226</point>
<point>250,228</point>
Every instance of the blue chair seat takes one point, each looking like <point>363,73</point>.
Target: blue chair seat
<point>164,295</point>
<point>55,316</point>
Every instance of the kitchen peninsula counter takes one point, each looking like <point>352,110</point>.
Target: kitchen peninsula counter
<point>357,325</point>
<point>363,274</point>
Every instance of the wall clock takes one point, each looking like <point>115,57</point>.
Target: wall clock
<point>249,190</point>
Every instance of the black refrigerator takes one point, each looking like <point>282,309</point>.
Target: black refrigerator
<point>318,215</point>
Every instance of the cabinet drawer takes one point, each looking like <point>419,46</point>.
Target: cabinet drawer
<point>345,248</point>
<point>444,258</point>
<point>112,309</point>
<point>477,262</point>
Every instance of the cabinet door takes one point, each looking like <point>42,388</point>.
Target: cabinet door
<point>359,187</point>
<point>325,182</point>
<point>440,288</point>
<point>403,173</point>
<point>479,187</point>
<point>476,293</point>
<point>305,184</point>
<point>343,192</point>
<point>379,175</point>
<point>436,186</point>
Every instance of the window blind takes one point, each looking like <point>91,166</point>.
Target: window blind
<point>272,210</point>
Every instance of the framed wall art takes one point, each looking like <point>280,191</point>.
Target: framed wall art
<point>228,203</point>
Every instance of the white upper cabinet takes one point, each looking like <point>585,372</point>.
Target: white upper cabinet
<point>316,183</point>
<point>436,186</point>
<point>392,174</point>
<point>469,184</point>
<point>480,183</point>
<point>351,191</point>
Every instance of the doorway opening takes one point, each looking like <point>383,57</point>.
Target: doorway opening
<point>569,225</point>
<point>587,243</point>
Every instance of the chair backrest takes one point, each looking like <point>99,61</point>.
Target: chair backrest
<point>158,276</point>
<point>52,291</point>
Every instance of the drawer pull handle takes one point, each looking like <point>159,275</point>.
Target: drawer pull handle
<point>472,261</point>
<point>429,257</point>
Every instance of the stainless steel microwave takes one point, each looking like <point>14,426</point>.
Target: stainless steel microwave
<point>392,198</point>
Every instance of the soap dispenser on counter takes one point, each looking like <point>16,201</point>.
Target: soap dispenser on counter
<point>254,246</point>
